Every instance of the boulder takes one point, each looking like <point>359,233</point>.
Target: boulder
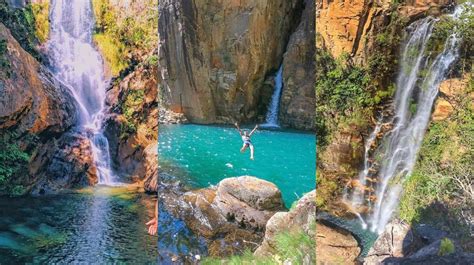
<point>442,110</point>
<point>335,245</point>
<point>301,217</point>
<point>232,215</point>
<point>397,240</point>
<point>66,162</point>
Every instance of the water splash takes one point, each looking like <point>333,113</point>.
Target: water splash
<point>271,120</point>
<point>77,63</point>
<point>420,75</point>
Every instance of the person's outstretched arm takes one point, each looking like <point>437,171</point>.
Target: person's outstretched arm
<point>238,128</point>
<point>254,129</point>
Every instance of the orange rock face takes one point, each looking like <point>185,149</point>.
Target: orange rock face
<point>31,100</point>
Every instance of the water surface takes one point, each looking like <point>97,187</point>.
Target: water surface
<point>204,155</point>
<point>101,225</point>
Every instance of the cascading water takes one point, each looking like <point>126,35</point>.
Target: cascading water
<point>79,66</point>
<point>271,120</point>
<point>419,77</point>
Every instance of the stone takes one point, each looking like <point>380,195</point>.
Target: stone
<point>231,216</point>
<point>397,240</point>
<point>302,217</point>
<point>442,110</point>
<point>298,97</point>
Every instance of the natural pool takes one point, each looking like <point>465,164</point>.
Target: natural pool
<point>204,155</point>
<point>100,225</point>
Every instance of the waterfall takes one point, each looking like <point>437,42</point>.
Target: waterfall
<point>76,62</point>
<point>271,120</point>
<point>419,77</point>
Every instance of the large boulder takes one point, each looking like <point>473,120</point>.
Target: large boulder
<point>401,243</point>
<point>215,56</point>
<point>232,215</point>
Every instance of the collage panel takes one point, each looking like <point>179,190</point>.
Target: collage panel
<point>237,146</point>
<point>394,120</point>
<point>78,131</point>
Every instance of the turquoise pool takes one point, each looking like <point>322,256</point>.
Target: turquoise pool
<point>204,155</point>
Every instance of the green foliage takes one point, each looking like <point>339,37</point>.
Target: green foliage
<point>132,102</point>
<point>123,36</point>
<point>445,156</point>
<point>152,60</point>
<point>12,161</point>
<point>4,62</point>
<point>446,247</point>
<point>40,13</point>
<point>291,246</point>
<point>20,21</point>
<point>113,51</point>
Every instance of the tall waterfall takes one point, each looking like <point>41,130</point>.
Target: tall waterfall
<point>77,63</point>
<point>271,120</point>
<point>420,75</point>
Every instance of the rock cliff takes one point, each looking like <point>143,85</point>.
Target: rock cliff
<point>217,58</point>
<point>36,111</point>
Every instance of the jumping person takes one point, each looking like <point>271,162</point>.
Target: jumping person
<point>246,139</point>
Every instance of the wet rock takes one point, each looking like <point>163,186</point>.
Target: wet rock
<point>301,217</point>
<point>214,56</point>
<point>63,163</point>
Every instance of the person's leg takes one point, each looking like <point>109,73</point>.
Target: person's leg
<point>251,151</point>
<point>243,148</point>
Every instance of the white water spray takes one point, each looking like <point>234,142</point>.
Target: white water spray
<point>417,87</point>
<point>271,119</point>
<point>77,63</point>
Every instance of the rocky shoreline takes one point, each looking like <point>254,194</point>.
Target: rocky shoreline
<point>237,214</point>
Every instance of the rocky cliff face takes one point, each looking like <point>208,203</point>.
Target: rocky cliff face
<point>36,111</point>
<point>298,99</point>
<point>215,57</point>
<point>350,26</point>
<point>132,124</point>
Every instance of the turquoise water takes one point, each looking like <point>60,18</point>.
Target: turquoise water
<point>100,225</point>
<point>204,155</point>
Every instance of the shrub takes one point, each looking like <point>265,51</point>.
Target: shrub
<point>12,161</point>
<point>40,13</point>
<point>446,247</point>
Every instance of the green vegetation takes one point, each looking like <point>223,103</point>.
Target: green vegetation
<point>40,13</point>
<point>446,247</point>
<point>132,102</point>
<point>292,246</point>
<point>121,35</point>
<point>21,23</point>
<point>443,173</point>
<point>12,161</point>
<point>4,62</point>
